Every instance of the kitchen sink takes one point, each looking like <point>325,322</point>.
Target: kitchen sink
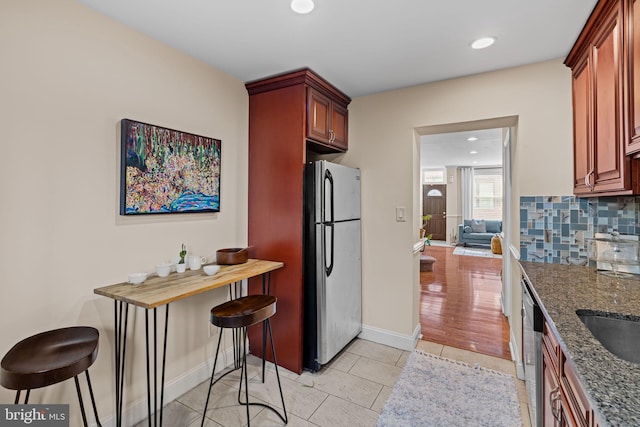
<point>618,334</point>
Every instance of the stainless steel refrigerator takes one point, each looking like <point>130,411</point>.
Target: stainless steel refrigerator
<point>332,269</point>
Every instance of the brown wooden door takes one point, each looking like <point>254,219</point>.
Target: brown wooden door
<point>319,117</point>
<point>633,142</point>
<point>608,143</point>
<point>550,394</point>
<point>339,126</point>
<point>582,153</point>
<point>434,203</point>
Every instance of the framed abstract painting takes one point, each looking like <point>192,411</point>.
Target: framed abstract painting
<point>167,171</point>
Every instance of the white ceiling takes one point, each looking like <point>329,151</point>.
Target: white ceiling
<point>453,149</point>
<point>365,46</point>
<point>361,46</point>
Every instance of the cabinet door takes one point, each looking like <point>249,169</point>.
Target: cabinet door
<point>633,142</point>
<point>608,145</point>
<point>582,152</point>
<point>339,126</point>
<point>576,398</point>
<point>551,394</point>
<point>566,419</point>
<point>318,116</point>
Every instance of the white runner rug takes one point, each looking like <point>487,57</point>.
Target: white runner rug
<point>482,252</point>
<point>436,391</point>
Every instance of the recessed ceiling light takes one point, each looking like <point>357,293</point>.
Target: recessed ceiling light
<point>472,138</point>
<point>483,42</point>
<point>302,6</point>
<point>473,152</point>
<point>474,162</point>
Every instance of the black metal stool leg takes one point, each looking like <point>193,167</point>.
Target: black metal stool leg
<point>264,348</point>
<point>93,400</point>
<point>246,379</point>
<point>275,364</point>
<point>204,413</point>
<point>84,416</point>
<point>242,368</point>
<point>26,398</point>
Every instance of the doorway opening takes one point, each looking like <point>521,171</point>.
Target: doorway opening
<point>452,155</point>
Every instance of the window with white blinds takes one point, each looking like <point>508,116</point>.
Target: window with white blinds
<point>487,193</point>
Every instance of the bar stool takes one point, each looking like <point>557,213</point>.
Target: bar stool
<point>51,357</point>
<point>239,314</point>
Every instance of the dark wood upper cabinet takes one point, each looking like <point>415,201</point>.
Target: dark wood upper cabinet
<point>325,108</point>
<point>327,121</point>
<point>602,111</point>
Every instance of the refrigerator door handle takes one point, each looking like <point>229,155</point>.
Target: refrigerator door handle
<point>328,178</point>
<point>328,266</point>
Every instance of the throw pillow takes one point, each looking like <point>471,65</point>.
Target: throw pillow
<point>478,226</point>
<point>467,229</point>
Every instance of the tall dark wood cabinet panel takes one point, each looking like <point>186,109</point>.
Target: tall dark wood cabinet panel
<point>276,160</point>
<point>280,132</point>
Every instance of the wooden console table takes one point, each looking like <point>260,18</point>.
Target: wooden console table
<point>161,291</point>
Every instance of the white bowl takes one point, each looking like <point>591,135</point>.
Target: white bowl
<point>211,269</point>
<point>137,278</point>
<point>163,270</point>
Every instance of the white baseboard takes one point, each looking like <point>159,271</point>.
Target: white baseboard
<point>137,411</point>
<point>392,339</point>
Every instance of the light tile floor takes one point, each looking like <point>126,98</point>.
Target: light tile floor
<point>350,391</point>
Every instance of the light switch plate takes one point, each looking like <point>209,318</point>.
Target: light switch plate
<point>401,214</point>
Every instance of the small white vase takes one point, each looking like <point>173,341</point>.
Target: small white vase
<point>180,268</point>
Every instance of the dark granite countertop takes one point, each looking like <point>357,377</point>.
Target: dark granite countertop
<point>612,384</point>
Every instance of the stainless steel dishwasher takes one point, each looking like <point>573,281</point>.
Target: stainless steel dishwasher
<point>532,351</point>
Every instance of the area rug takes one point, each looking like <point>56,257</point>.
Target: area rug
<point>482,252</point>
<point>436,391</point>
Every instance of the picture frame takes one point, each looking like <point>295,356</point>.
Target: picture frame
<point>167,171</point>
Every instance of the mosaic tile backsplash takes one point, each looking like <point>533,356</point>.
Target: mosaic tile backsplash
<point>553,229</point>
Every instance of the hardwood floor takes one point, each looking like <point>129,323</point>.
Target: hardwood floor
<point>460,303</point>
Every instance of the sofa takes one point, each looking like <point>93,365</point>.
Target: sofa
<point>478,231</point>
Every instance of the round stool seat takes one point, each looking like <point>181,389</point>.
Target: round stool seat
<point>245,311</point>
<point>49,357</point>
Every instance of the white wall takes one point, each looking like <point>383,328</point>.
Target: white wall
<point>69,75</point>
<point>381,136</point>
